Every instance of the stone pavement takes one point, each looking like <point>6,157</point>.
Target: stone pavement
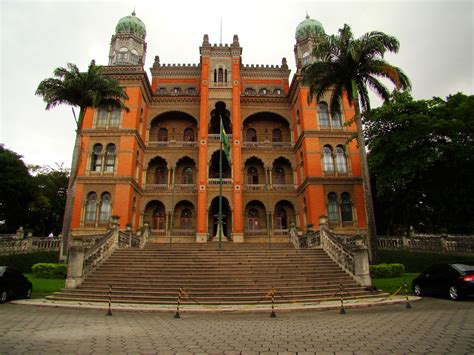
<point>431,326</point>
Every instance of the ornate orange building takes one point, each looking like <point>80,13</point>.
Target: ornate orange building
<point>292,162</point>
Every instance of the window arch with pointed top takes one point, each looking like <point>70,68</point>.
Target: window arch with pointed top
<point>110,153</point>
<point>91,207</point>
<point>158,219</point>
<point>187,176</point>
<point>105,208</point>
<point>162,135</point>
<point>323,113</point>
<point>251,135</point>
<point>188,135</point>
<point>341,161</point>
<point>252,175</point>
<point>277,136</point>
<point>96,158</point>
<point>333,207</point>
<point>328,161</point>
<point>279,175</point>
<point>346,207</point>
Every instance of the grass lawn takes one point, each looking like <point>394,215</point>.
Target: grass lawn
<point>392,284</point>
<point>44,287</point>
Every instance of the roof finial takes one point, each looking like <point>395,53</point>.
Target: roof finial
<point>307,15</point>
<point>134,13</point>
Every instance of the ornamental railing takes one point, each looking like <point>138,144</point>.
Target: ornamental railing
<point>86,253</point>
<point>255,232</point>
<point>28,245</point>
<point>461,244</point>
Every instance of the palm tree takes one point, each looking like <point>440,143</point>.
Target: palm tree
<point>89,89</point>
<point>345,65</point>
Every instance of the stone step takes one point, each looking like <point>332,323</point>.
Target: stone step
<point>240,274</point>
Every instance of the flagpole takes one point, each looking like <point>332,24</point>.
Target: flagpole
<point>219,217</point>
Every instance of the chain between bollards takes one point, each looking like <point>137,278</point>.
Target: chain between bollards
<point>272,293</point>
<point>342,311</point>
<point>109,312</point>
<point>177,305</point>
<point>408,305</point>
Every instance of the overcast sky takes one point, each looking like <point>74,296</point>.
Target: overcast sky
<point>436,51</point>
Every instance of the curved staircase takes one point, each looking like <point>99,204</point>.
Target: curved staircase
<point>239,274</point>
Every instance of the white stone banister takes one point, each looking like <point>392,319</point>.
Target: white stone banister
<point>352,257</point>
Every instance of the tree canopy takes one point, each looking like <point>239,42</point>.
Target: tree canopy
<point>422,162</point>
<point>30,196</point>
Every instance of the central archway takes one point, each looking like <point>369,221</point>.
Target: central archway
<point>226,217</point>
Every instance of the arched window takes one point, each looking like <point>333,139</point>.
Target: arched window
<point>110,158</point>
<point>306,58</point>
<point>115,117</point>
<point>252,175</point>
<point>277,135</point>
<point>105,208</point>
<point>162,135</point>
<point>187,177</point>
<point>161,175</point>
<point>253,219</point>
<point>337,120</point>
<point>158,219</point>
<point>341,163</point>
<point>346,207</point>
<point>281,219</point>
<point>225,75</point>
<point>220,75</point>
<point>188,135</point>
<point>323,113</point>
<point>328,162</point>
<point>96,158</point>
<point>186,219</point>
<point>333,207</point>
<point>91,207</point>
<point>102,117</point>
<point>279,175</point>
<point>251,135</point>
<point>215,75</point>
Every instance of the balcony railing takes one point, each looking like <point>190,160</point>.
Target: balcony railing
<point>217,137</point>
<point>216,181</point>
<point>156,187</point>
<point>169,188</point>
<point>173,144</point>
<point>267,145</point>
<point>255,187</point>
<point>256,232</point>
<point>283,187</point>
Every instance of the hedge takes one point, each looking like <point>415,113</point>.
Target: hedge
<point>24,262</point>
<point>387,270</point>
<point>419,261</point>
<point>49,270</point>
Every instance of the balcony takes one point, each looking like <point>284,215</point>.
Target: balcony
<point>216,181</point>
<point>217,137</point>
<point>179,188</point>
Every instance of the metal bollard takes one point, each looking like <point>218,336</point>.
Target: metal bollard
<point>408,305</point>
<point>342,311</point>
<point>109,312</point>
<point>273,315</point>
<point>177,305</point>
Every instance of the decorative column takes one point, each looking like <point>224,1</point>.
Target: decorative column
<point>201,223</point>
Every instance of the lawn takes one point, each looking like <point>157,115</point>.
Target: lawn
<point>44,287</point>
<point>392,284</point>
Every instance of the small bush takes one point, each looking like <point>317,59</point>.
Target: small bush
<point>49,270</point>
<point>24,262</point>
<point>387,270</point>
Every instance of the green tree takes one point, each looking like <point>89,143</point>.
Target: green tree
<point>422,161</point>
<point>89,89</point>
<point>351,66</point>
<point>16,191</point>
<point>47,209</point>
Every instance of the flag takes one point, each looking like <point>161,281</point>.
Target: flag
<point>225,143</point>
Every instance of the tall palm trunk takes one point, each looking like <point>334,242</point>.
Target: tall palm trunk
<point>369,205</point>
<point>76,157</point>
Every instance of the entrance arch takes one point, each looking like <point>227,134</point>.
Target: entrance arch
<point>226,217</point>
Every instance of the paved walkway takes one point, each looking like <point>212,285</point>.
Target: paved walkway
<point>431,326</point>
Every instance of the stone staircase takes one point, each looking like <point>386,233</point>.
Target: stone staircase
<point>240,274</point>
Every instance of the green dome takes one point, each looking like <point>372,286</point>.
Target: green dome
<point>308,27</point>
<point>131,24</point>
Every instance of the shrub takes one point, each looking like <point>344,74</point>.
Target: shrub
<point>416,261</point>
<point>387,270</point>
<point>49,270</point>
<point>24,262</point>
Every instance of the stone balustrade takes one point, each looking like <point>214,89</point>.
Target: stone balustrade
<point>438,243</point>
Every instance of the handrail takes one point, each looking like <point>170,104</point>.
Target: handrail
<point>96,255</point>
